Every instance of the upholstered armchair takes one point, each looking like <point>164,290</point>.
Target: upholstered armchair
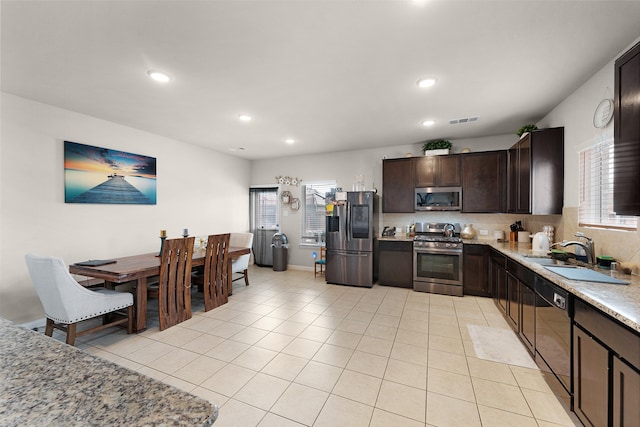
<point>241,264</point>
<point>66,303</point>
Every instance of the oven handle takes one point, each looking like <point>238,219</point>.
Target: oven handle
<point>437,251</point>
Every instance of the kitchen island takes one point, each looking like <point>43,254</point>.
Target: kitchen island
<point>46,382</point>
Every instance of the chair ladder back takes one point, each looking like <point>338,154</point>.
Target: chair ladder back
<point>174,288</point>
<point>215,271</point>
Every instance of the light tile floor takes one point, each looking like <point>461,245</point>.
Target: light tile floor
<point>290,350</point>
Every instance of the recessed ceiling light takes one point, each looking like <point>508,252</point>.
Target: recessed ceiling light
<point>290,141</point>
<point>244,117</point>
<point>159,76</point>
<point>426,82</point>
<point>428,122</point>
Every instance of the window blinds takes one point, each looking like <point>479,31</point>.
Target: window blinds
<point>314,208</point>
<point>263,205</point>
<point>596,188</point>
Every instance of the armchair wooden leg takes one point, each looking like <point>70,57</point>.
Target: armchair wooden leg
<point>130,319</point>
<point>246,277</point>
<point>49,329</point>
<point>71,333</point>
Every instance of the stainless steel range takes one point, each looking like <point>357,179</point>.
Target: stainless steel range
<point>437,258</point>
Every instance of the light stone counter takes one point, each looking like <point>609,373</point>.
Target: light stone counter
<point>48,383</point>
<point>621,302</point>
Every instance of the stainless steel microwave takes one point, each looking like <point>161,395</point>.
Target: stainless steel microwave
<point>438,199</point>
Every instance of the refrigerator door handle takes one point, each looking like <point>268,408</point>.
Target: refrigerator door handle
<point>347,214</point>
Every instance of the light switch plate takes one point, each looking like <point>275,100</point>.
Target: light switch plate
<point>484,232</point>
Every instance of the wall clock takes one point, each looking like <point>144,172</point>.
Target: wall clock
<point>603,114</point>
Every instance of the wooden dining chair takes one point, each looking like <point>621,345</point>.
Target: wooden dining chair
<point>214,276</point>
<point>173,289</point>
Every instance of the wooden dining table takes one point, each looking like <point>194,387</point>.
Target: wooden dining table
<point>142,267</point>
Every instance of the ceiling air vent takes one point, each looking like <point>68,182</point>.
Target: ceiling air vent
<point>463,120</point>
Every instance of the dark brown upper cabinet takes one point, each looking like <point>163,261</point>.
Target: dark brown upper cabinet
<point>535,169</point>
<point>398,192</point>
<point>484,181</point>
<point>437,171</point>
<point>626,134</point>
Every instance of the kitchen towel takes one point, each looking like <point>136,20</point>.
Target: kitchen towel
<point>499,345</point>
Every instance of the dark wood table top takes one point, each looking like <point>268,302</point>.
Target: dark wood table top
<point>134,267</point>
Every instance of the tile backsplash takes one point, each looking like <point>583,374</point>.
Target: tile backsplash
<point>488,222</point>
<point>624,246</point>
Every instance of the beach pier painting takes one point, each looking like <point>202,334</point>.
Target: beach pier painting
<point>105,176</point>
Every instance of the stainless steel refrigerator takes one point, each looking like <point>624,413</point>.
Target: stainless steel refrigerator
<point>350,240</point>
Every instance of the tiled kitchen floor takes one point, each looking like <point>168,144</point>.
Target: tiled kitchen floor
<point>290,350</point>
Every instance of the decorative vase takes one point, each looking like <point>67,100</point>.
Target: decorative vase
<point>468,232</point>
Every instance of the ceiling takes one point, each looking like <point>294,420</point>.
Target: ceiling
<point>333,75</point>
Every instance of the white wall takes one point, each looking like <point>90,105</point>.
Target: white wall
<point>342,167</point>
<point>199,189</point>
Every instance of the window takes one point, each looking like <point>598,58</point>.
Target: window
<point>314,210</point>
<point>263,205</point>
<point>596,188</point>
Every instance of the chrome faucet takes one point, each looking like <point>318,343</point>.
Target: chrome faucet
<point>587,245</point>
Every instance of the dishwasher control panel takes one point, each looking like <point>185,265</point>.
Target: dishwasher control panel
<point>559,300</point>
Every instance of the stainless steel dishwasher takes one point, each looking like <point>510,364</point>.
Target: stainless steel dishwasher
<point>553,331</point>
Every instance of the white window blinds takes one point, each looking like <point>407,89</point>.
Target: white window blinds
<point>313,218</point>
<point>596,188</point>
<point>264,208</point>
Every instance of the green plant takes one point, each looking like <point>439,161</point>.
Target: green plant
<point>436,144</point>
<point>526,128</point>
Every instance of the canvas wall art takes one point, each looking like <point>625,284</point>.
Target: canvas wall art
<point>101,175</point>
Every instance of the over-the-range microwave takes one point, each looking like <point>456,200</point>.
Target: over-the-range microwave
<point>438,199</point>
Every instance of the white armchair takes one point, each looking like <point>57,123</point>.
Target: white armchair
<point>241,264</point>
<point>66,302</point>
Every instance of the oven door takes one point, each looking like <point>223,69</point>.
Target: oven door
<point>437,270</point>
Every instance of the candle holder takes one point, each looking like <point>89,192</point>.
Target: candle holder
<point>162,239</point>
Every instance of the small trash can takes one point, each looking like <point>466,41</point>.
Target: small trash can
<point>280,250</point>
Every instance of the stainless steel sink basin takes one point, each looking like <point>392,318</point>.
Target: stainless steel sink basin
<point>584,274</point>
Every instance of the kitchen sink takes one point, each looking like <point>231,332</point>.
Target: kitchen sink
<point>584,274</point>
<point>541,260</point>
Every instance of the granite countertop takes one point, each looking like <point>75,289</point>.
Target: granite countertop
<point>621,302</point>
<point>46,382</point>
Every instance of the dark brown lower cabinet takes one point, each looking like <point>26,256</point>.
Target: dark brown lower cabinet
<point>626,394</point>
<point>590,383</point>
<point>527,330</point>
<point>498,279</point>
<point>606,369</point>
<point>513,296</point>
<point>395,263</point>
<point>474,262</point>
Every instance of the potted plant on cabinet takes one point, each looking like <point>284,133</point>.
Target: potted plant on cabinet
<point>436,147</point>
<point>525,130</point>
